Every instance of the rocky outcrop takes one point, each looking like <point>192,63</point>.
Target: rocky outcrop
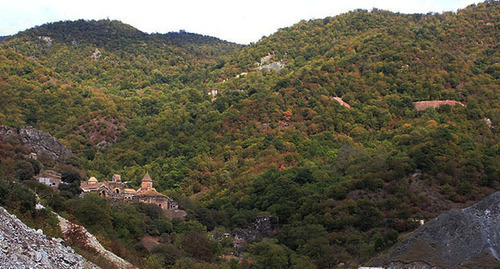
<point>488,123</point>
<point>91,243</point>
<point>43,144</point>
<point>47,40</point>
<point>96,55</point>
<point>261,227</point>
<point>40,142</point>
<point>265,63</point>
<point>454,239</point>
<point>274,66</point>
<point>23,247</point>
<point>341,102</point>
<point>422,105</point>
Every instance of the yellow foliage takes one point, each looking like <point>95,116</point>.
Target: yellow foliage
<point>431,124</point>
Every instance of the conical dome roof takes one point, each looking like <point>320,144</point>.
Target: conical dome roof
<point>92,179</point>
<point>147,178</point>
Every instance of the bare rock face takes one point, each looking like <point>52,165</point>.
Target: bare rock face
<point>23,247</point>
<point>274,66</point>
<point>455,239</point>
<point>261,227</point>
<point>47,40</point>
<point>265,63</point>
<point>42,143</point>
<point>422,105</point>
<point>341,102</point>
<point>96,55</point>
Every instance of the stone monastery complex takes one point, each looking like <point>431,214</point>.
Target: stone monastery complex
<point>116,189</point>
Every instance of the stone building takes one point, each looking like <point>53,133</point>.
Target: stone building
<point>147,194</point>
<point>49,177</point>
<point>116,189</point>
<point>93,186</point>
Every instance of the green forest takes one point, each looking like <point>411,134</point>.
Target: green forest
<point>341,184</point>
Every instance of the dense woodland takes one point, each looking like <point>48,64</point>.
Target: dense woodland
<point>340,184</point>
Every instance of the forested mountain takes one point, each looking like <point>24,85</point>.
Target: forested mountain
<point>95,71</point>
<point>341,182</point>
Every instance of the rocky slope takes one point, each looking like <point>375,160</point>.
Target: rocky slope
<point>467,238</point>
<point>40,142</point>
<point>89,242</point>
<point>23,247</point>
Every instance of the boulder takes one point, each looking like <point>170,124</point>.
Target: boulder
<point>453,239</point>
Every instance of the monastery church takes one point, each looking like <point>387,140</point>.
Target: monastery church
<point>115,189</point>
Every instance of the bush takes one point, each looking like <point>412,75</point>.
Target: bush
<point>197,245</point>
<point>191,225</point>
<point>24,170</point>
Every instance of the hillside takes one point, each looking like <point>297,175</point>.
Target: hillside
<point>319,125</point>
<point>94,76</point>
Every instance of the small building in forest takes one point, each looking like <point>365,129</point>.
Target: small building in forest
<point>49,177</point>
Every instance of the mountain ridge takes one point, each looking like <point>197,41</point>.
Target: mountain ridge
<point>105,32</point>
